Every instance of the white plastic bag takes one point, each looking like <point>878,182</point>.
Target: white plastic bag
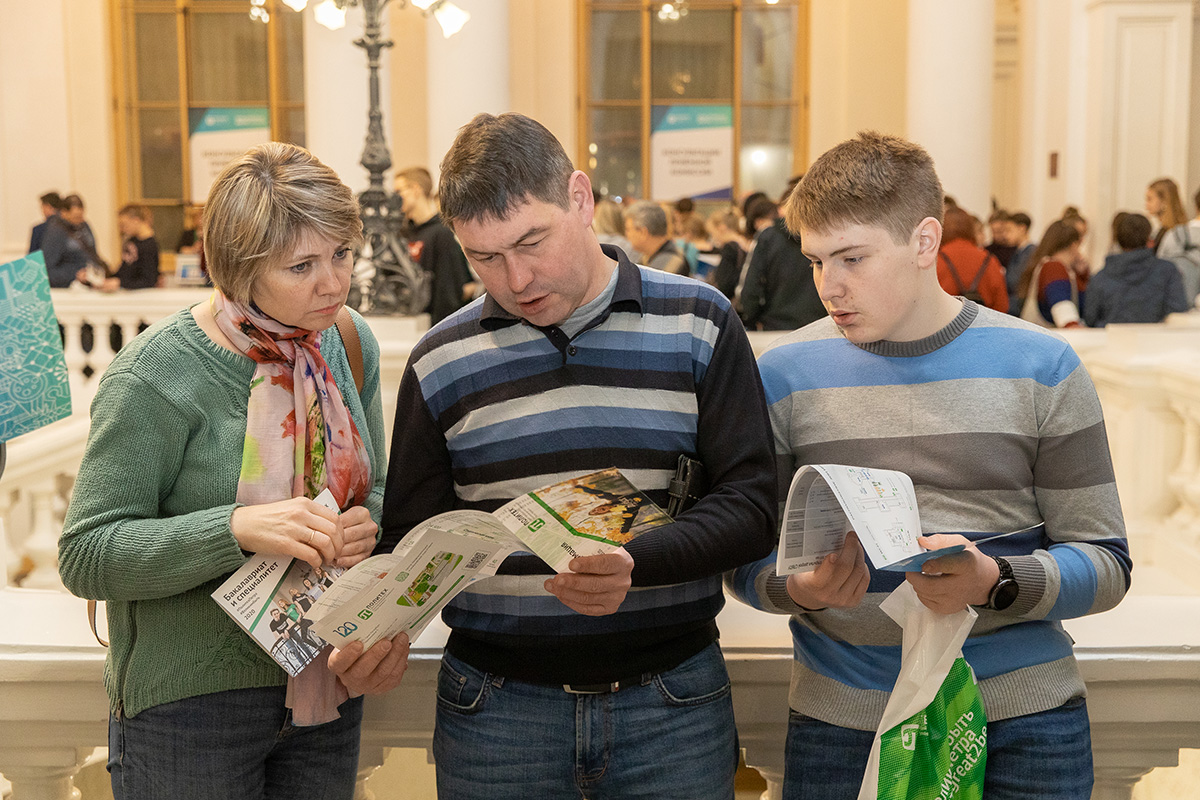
<point>932,740</point>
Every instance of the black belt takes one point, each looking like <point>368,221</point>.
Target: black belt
<point>606,688</point>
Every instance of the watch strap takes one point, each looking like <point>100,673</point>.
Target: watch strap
<point>1005,580</point>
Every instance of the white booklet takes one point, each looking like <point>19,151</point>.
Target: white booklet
<point>825,501</point>
<point>403,590</point>
<point>271,597</point>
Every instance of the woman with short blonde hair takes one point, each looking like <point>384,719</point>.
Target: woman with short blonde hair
<point>212,433</point>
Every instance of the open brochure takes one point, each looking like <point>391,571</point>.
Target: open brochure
<point>403,591</point>
<point>272,596</point>
<point>825,501</point>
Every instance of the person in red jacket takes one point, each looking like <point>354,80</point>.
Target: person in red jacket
<point>966,269</point>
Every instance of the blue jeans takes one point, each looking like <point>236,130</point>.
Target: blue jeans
<point>239,743</point>
<point>672,736</point>
<point>1043,755</point>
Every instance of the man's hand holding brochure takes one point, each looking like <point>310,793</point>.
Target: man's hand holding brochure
<point>826,501</point>
<point>402,591</point>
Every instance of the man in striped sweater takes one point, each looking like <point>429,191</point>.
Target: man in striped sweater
<point>998,425</point>
<point>605,681</point>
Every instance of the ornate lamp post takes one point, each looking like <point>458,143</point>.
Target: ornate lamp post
<point>390,282</point>
<point>387,280</point>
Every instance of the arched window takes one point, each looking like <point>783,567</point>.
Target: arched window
<point>696,98</point>
<point>196,79</point>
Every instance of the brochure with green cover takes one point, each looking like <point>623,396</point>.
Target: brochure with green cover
<point>33,374</point>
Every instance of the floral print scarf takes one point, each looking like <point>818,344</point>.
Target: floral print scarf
<point>300,439</point>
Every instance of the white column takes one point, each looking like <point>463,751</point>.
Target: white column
<point>336,98</point>
<point>1193,181</point>
<point>951,47</point>
<point>34,130</point>
<point>1139,98</point>
<point>468,73</point>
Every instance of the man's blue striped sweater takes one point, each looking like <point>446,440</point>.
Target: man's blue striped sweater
<point>491,407</point>
<point>998,425</point>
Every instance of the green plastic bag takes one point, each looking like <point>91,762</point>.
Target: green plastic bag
<point>932,741</point>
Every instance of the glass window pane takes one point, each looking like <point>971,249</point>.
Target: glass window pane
<point>168,225</point>
<point>768,53</point>
<point>692,57</point>
<point>765,161</point>
<point>615,55</point>
<point>157,57</point>
<point>615,148</point>
<point>291,55</point>
<point>161,154</point>
<point>229,59</point>
<point>291,122</point>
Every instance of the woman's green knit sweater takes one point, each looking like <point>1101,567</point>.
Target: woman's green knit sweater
<point>147,529</point>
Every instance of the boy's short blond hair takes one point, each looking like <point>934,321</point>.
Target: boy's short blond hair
<point>872,179</point>
<point>260,206</point>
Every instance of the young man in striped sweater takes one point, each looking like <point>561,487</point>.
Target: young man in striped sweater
<point>998,425</point>
<point>605,681</point>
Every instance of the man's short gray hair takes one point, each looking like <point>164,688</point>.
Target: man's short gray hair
<point>648,215</point>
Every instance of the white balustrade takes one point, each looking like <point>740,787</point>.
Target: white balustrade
<point>1142,661</point>
<point>77,306</point>
<point>33,490</point>
<point>10,560</point>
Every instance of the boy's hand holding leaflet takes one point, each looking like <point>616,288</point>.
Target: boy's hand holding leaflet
<point>932,738</point>
<point>839,581</point>
<point>825,501</point>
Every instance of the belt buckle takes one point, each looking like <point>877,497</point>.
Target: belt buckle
<point>591,688</point>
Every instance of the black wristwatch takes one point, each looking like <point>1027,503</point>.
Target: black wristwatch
<point>1004,593</point>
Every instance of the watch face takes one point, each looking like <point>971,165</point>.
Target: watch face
<point>1004,594</point>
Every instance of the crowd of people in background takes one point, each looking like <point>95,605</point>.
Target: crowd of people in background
<point>745,251</point>
<point>68,246</point>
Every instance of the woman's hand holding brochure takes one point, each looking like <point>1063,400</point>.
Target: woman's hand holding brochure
<point>377,670</point>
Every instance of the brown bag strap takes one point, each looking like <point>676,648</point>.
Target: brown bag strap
<point>92,621</point>
<point>350,340</point>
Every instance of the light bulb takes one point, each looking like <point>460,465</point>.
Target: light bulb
<point>450,17</point>
<point>295,5</point>
<point>329,15</point>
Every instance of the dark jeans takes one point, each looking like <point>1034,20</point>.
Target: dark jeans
<point>670,737</point>
<point>235,744</point>
<point>1044,755</point>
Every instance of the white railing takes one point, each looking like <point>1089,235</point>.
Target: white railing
<point>37,482</point>
<point>78,307</point>
<point>52,705</point>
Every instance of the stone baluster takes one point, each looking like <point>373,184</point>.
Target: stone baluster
<point>370,758</point>
<point>1189,461</point>
<point>1191,488</point>
<point>42,544</point>
<point>129,328</point>
<point>10,562</point>
<point>74,355</point>
<point>46,775</point>
<point>102,351</point>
